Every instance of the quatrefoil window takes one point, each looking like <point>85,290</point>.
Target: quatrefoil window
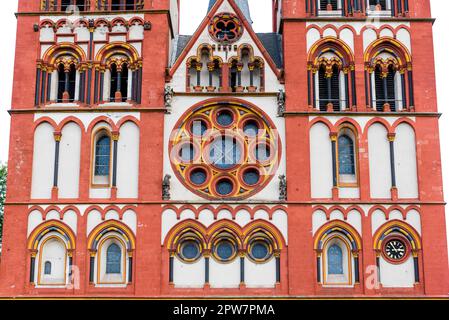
<point>225,28</point>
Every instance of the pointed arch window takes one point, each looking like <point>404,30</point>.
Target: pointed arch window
<point>119,82</point>
<point>113,259</point>
<point>335,260</point>
<point>329,89</point>
<point>386,88</point>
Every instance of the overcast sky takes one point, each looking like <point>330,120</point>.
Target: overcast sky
<point>260,11</point>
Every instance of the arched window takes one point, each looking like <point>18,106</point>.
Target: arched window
<point>376,5</point>
<point>335,260</point>
<point>386,88</point>
<point>119,83</point>
<point>102,158</point>
<point>347,158</point>
<point>47,268</point>
<point>330,5</point>
<point>52,263</point>
<point>329,89</point>
<point>113,259</point>
<point>66,82</point>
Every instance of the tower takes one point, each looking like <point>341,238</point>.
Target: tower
<point>300,162</point>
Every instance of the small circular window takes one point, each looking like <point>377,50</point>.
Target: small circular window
<point>251,128</point>
<point>198,176</point>
<point>225,251</point>
<point>225,118</point>
<point>190,251</point>
<point>251,176</point>
<point>224,187</point>
<point>260,251</point>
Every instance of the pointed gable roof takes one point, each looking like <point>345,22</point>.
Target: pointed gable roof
<point>243,5</point>
<point>215,6</point>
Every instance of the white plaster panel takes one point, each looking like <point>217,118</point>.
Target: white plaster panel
<point>34,219</point>
<point>319,219</point>
<point>377,219</point>
<point>231,270</point>
<point>128,161</point>
<point>188,275</point>
<point>43,162</point>
<point>280,220</point>
<point>206,217</point>
<point>112,215</point>
<point>93,220</point>
<point>397,275</point>
<point>130,219</point>
<point>169,220</point>
<point>414,219</point>
<point>379,162</point>
<point>355,220</point>
<point>405,162</point>
<point>69,161</point>
<point>242,218</point>
<point>260,275</point>
<point>320,161</point>
<point>71,219</point>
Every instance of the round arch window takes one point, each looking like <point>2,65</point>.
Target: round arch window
<point>190,251</point>
<point>260,251</point>
<point>225,251</point>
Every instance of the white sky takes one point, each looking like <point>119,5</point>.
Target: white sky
<point>261,14</point>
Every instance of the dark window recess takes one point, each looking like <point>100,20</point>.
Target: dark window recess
<point>70,84</point>
<point>81,4</point>
<point>124,83</point>
<point>329,92</point>
<point>325,3</point>
<point>65,4</point>
<point>233,79</point>
<point>374,3</point>
<point>385,90</point>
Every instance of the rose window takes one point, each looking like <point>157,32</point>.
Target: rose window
<point>225,27</point>
<point>225,151</point>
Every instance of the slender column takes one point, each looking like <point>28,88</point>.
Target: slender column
<point>406,8</point>
<point>354,87</point>
<point>368,89</point>
<point>32,267</point>
<point>66,80</point>
<point>309,96</point>
<point>43,86</point>
<point>278,268</point>
<point>318,269</point>
<point>115,137</point>
<point>89,84</point>
<point>399,6</point>
<point>171,268</point>
<point>416,265</point>
<point>198,74</point>
<point>100,99</point>
<point>242,269</point>
<point>410,89</point>
<point>347,103</point>
<point>239,74</point>
<point>356,268</point>
<point>391,138</point>
<point>130,268</point>
<point>206,269</point>
<point>48,85</point>
<point>92,267</point>
<point>333,136</point>
<point>404,91</point>
<point>314,75</point>
<point>57,136</point>
<point>96,86</point>
<point>317,6</point>
<point>393,8</point>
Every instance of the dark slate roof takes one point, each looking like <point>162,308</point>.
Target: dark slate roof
<point>243,5</point>
<point>272,42</point>
<point>180,42</point>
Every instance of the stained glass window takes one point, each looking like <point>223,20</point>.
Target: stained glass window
<point>190,250</point>
<point>103,156</point>
<point>113,259</point>
<point>346,160</point>
<point>225,250</point>
<point>335,260</point>
<point>259,251</point>
<point>47,268</point>
<point>225,152</point>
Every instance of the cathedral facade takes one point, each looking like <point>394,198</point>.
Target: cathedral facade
<point>300,162</point>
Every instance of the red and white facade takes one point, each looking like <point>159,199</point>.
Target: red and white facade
<point>302,162</point>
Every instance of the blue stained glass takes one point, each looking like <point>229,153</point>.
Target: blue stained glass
<point>190,250</point>
<point>335,259</point>
<point>251,177</point>
<point>225,118</point>
<point>251,128</point>
<point>259,251</point>
<point>263,152</point>
<point>225,250</point>
<point>113,257</point>
<point>187,153</point>
<point>224,187</point>
<point>199,128</point>
<point>225,152</point>
<point>47,268</point>
<point>198,176</point>
<point>102,156</point>
<point>346,159</point>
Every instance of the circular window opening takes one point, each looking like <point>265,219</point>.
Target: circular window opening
<point>225,118</point>
<point>263,152</point>
<point>224,187</point>
<point>225,250</point>
<point>198,128</point>
<point>187,152</point>
<point>251,176</point>
<point>190,250</point>
<point>251,128</point>
<point>260,251</point>
<point>198,176</point>
<point>225,152</point>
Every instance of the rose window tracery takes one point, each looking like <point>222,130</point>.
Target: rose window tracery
<point>225,151</point>
<point>226,27</point>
